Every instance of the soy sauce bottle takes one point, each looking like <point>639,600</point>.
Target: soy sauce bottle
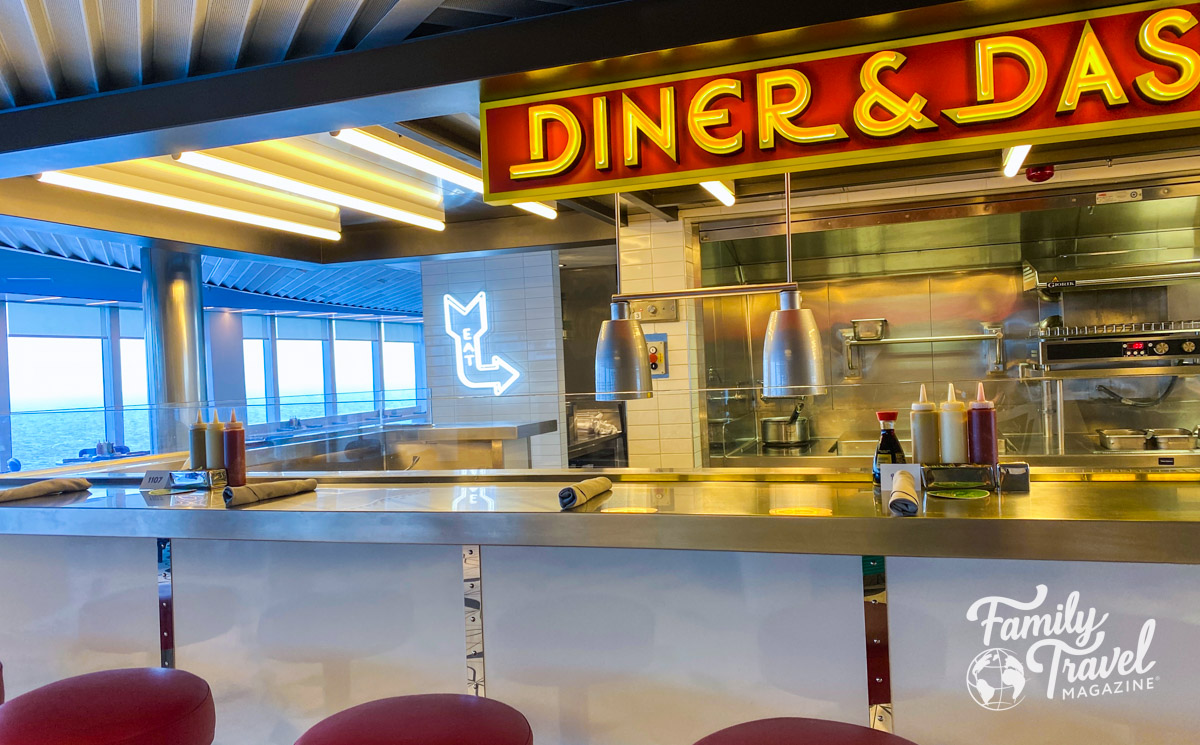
<point>888,450</point>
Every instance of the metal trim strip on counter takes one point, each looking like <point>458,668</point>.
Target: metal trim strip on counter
<point>1151,523</point>
<point>1120,466</point>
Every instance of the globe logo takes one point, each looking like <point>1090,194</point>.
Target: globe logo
<point>996,679</point>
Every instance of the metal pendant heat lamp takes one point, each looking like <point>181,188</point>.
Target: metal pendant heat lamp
<point>793,360</point>
<point>622,358</point>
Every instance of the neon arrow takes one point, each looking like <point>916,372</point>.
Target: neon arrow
<point>468,345</point>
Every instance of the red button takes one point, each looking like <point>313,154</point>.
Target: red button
<point>654,358</point>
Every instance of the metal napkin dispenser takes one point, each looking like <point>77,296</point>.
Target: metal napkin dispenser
<point>959,477</point>
<point>1006,477</point>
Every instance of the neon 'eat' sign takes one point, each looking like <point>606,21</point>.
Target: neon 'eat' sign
<point>468,325</point>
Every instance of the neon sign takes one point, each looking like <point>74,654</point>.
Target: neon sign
<point>1123,71</point>
<point>467,325</point>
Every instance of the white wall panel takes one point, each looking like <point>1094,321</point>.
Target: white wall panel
<point>70,606</point>
<point>289,633</point>
<point>632,647</point>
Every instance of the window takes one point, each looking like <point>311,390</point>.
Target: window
<point>399,374</point>
<point>135,393</point>
<point>63,376</point>
<point>354,375</point>
<point>255,355</point>
<point>301,378</point>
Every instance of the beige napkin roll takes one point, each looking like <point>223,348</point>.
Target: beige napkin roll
<point>577,494</point>
<point>239,495</point>
<point>44,488</point>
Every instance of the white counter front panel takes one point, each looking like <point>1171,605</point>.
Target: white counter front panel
<point>289,633</point>
<point>635,647</point>
<point>70,606</point>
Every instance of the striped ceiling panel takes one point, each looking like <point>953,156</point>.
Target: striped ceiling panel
<point>367,286</point>
<point>55,49</point>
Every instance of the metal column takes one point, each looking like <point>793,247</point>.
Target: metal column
<point>171,295</point>
<point>6,449</point>
<point>114,400</point>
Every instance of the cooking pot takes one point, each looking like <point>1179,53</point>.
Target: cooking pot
<point>784,431</point>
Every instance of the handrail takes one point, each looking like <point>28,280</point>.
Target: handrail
<point>992,333</point>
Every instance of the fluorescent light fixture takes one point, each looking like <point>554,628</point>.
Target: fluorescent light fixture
<point>103,302</point>
<point>404,156</point>
<point>353,172</point>
<point>95,186</point>
<point>42,299</point>
<point>1014,158</point>
<point>275,181</point>
<point>537,208</point>
<point>228,184</point>
<point>721,191</point>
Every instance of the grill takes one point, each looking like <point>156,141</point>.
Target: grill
<point>1171,341</point>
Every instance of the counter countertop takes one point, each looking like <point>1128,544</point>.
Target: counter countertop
<point>1082,521</point>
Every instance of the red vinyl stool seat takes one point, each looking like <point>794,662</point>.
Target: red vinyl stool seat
<point>141,706</point>
<point>430,719</point>
<point>794,731</point>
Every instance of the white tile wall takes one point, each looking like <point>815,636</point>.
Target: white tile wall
<point>525,319</point>
<point>664,431</point>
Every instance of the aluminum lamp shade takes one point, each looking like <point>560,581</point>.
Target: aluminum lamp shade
<point>622,359</point>
<point>793,361</point>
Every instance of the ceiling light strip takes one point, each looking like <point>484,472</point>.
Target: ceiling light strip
<point>539,209</point>
<point>403,156</point>
<point>1014,158</point>
<point>275,181</point>
<point>399,154</point>
<point>721,191</point>
<point>106,188</point>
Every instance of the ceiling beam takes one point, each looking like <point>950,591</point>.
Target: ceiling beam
<point>645,202</point>
<point>420,78</point>
<point>600,209</point>
<point>390,242</point>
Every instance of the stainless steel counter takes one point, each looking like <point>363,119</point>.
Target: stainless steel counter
<point>1126,521</point>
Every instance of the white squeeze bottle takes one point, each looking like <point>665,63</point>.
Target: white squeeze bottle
<point>953,429</point>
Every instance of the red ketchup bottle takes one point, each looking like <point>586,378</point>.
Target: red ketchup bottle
<point>235,451</point>
<point>983,442</point>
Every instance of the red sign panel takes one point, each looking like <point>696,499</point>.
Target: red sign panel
<point>1117,71</point>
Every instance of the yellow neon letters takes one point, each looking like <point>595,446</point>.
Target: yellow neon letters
<point>989,110</point>
<point>776,117</point>
<point>600,133</point>
<point>1182,58</point>
<point>1091,72</point>
<point>701,118</point>
<point>538,117</point>
<point>661,133</point>
<point>905,114</point>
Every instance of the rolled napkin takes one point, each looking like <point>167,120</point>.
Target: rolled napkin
<point>251,493</point>
<point>576,494</point>
<point>903,498</point>
<point>44,488</point>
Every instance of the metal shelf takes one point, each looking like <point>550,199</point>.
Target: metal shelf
<point>1028,373</point>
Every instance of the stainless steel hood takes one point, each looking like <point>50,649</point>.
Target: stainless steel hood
<point>1133,237</point>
